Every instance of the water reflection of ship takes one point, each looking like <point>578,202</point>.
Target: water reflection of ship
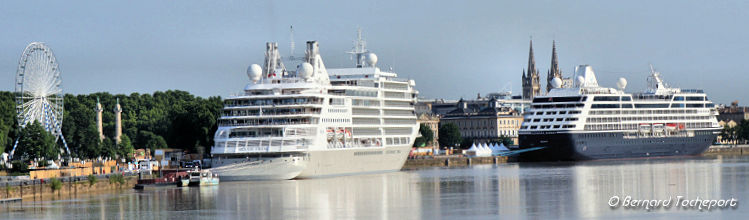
<point>585,194</point>
<point>381,196</point>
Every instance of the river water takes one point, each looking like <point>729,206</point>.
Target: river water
<point>579,190</point>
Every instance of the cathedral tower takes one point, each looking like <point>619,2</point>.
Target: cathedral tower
<point>554,71</point>
<point>531,82</point>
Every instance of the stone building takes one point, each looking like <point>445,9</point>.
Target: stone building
<point>485,123</point>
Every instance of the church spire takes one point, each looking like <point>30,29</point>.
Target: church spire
<point>531,85</point>
<point>554,71</point>
<point>531,61</point>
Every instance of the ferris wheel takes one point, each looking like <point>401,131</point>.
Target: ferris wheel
<point>38,91</point>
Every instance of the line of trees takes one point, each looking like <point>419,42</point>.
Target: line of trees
<point>171,119</point>
<point>736,134</point>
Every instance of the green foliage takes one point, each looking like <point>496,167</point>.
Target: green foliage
<point>507,141</point>
<point>36,142</point>
<point>449,135</point>
<point>151,140</point>
<point>19,167</point>
<point>466,143</point>
<point>91,180</point>
<point>118,179</point>
<point>419,142</point>
<point>125,147</point>
<point>173,119</point>
<point>42,163</point>
<point>55,184</point>
<point>426,133</point>
<point>737,134</point>
<point>7,121</point>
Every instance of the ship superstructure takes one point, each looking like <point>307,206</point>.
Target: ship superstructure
<point>314,121</point>
<point>587,121</point>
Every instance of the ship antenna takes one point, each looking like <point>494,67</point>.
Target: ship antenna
<point>360,48</point>
<point>291,43</point>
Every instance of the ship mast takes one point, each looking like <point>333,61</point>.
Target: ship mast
<point>360,48</point>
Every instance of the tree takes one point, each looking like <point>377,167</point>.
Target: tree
<point>36,142</point>
<point>449,135</point>
<point>125,148</point>
<point>426,133</point>
<point>88,143</point>
<point>426,136</point>
<point>151,140</point>
<point>507,141</point>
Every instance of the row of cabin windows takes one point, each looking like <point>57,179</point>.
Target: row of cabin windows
<point>287,101</point>
<point>628,98</point>
<point>336,120</point>
<point>560,112</point>
<point>552,119</point>
<point>615,98</point>
<point>547,126</point>
<point>602,127</point>
<point>576,105</point>
<point>661,105</point>
<point>560,99</point>
<point>618,119</point>
<point>643,112</point>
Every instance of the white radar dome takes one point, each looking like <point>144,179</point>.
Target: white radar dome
<point>580,80</point>
<point>622,83</point>
<point>254,72</point>
<point>304,70</point>
<point>556,82</point>
<point>371,59</point>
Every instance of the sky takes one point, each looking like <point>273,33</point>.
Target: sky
<point>452,49</point>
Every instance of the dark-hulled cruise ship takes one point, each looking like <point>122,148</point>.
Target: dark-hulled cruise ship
<point>584,121</point>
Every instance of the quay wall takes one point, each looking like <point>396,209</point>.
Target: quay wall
<point>41,189</point>
<point>742,149</point>
<point>444,161</point>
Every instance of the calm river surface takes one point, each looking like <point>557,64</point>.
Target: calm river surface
<point>525,190</point>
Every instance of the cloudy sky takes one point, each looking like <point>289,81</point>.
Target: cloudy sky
<point>452,49</point>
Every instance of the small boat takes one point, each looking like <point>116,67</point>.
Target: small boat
<point>183,182</point>
<point>201,178</point>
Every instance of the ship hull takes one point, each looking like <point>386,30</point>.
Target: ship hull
<point>610,145</point>
<point>268,168</point>
<point>323,163</point>
<point>355,161</point>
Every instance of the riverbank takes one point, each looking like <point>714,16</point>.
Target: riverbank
<point>460,160</point>
<point>453,160</point>
<point>742,149</point>
<point>43,189</point>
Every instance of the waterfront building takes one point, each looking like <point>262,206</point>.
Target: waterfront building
<point>482,124</point>
<point>734,112</point>
<point>441,106</point>
<point>531,83</point>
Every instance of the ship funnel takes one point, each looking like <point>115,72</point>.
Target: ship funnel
<point>313,49</point>
<point>588,76</point>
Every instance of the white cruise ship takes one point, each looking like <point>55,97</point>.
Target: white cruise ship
<point>315,122</point>
<point>587,121</point>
